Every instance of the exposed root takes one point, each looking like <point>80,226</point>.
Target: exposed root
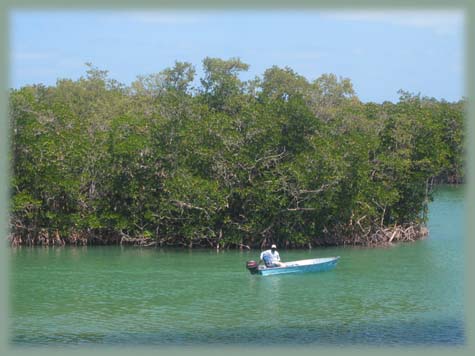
<point>378,236</point>
<point>352,235</point>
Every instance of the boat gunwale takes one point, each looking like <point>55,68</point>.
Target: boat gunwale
<point>328,259</point>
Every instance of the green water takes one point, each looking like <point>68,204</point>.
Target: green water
<point>408,294</point>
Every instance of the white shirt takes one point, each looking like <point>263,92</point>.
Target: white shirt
<point>273,256</point>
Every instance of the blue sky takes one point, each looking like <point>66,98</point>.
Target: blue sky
<point>381,52</point>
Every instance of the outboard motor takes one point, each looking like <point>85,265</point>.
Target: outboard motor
<point>252,266</point>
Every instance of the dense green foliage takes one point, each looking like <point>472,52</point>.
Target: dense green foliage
<point>276,158</point>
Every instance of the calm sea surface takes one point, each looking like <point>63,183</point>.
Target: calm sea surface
<point>408,294</point>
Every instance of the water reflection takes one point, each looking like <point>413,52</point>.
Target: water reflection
<point>400,295</point>
<point>269,293</point>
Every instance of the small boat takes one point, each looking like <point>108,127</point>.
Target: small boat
<point>311,265</point>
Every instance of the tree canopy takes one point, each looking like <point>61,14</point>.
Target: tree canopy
<point>227,163</point>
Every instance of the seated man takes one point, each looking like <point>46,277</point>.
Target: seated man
<point>271,258</point>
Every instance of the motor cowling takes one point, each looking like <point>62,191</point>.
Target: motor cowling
<point>252,266</point>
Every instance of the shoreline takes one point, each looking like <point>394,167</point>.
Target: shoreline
<point>373,237</point>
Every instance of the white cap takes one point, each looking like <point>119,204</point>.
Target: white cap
<point>273,246</point>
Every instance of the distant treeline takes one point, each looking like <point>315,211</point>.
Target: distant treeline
<point>227,163</point>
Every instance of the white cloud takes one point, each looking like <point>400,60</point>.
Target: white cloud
<point>166,18</point>
<point>56,57</point>
<point>440,21</point>
<point>31,56</point>
<point>308,55</point>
